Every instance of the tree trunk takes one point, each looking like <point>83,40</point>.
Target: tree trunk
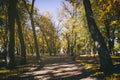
<point>23,47</point>
<point>75,42</point>
<point>68,43</point>
<point>106,64</point>
<point>35,38</point>
<point>43,51</point>
<point>51,44</point>
<point>33,27</point>
<point>6,41</point>
<point>109,37</point>
<point>46,40</point>
<point>11,25</point>
<point>34,32</point>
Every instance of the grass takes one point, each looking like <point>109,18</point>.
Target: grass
<point>89,62</point>
<point>92,63</point>
<point>31,63</point>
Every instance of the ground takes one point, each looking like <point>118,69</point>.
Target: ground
<point>61,68</point>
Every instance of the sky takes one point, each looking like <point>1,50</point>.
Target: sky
<point>53,6</point>
<point>48,5</point>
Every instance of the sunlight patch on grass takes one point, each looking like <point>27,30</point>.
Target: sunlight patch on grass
<point>4,74</point>
<point>116,63</point>
<point>115,56</point>
<point>88,66</point>
<point>98,73</point>
<point>78,60</point>
<point>32,63</point>
<point>4,71</point>
<point>113,77</point>
<point>44,58</point>
<point>93,64</point>
<point>116,74</point>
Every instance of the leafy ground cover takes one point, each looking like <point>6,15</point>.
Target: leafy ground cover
<point>87,68</point>
<point>92,63</point>
<point>31,63</point>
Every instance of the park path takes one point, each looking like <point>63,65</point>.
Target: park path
<point>59,68</point>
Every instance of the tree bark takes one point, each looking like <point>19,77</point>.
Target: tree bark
<point>35,39</point>
<point>43,50</point>
<point>23,47</point>
<point>6,41</point>
<point>45,38</point>
<point>34,32</point>
<point>68,43</point>
<point>11,25</point>
<point>106,64</point>
<point>109,36</point>
<point>33,28</point>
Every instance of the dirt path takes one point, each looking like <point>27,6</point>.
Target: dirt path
<point>59,68</point>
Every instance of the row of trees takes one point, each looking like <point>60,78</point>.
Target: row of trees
<point>84,25</point>
<point>24,31</point>
<point>76,37</point>
<point>91,25</point>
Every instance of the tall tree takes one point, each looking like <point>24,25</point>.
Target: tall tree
<point>23,47</point>
<point>11,25</point>
<point>47,30</point>
<point>105,60</point>
<point>4,25</point>
<point>33,26</point>
<point>108,14</point>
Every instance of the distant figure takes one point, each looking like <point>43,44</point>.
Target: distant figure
<point>61,51</point>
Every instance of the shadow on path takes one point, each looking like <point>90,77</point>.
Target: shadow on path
<point>58,68</point>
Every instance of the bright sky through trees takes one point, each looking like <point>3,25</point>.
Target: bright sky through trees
<point>40,38</point>
<point>48,5</point>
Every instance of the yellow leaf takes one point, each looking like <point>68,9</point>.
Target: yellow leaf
<point>113,22</point>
